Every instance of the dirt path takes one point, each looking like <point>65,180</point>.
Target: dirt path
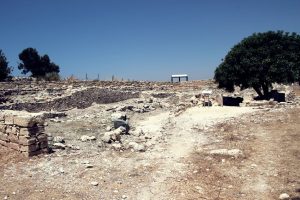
<point>182,137</point>
<point>269,166</point>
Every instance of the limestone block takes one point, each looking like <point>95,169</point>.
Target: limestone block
<point>1,116</point>
<point>28,132</point>
<point>13,138</point>
<point>22,140</point>
<point>42,138</point>
<point>9,119</point>
<point>29,148</point>
<point>9,129</point>
<point>3,136</point>
<point>13,145</point>
<point>35,153</point>
<point>3,143</point>
<point>2,127</point>
<point>43,144</point>
<point>28,121</point>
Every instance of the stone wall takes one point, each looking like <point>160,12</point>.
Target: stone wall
<point>81,99</point>
<point>23,132</point>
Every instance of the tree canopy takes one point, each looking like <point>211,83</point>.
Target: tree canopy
<point>260,60</point>
<point>38,65</point>
<point>5,70</point>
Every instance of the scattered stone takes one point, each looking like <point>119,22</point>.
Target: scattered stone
<point>94,183</point>
<point>118,116</point>
<point>106,137</point>
<point>226,152</point>
<point>58,146</point>
<point>108,128</point>
<point>137,147</point>
<point>116,146</point>
<point>85,138</point>
<point>284,196</point>
<point>59,139</point>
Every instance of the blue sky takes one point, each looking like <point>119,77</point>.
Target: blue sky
<point>138,39</point>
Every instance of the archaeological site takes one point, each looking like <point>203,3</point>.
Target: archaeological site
<point>147,140</point>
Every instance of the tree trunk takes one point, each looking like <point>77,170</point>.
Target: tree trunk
<point>265,90</point>
<point>258,91</point>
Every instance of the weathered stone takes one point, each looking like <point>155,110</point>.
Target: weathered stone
<point>8,129</point>
<point>9,119</point>
<point>2,127</point>
<point>13,138</point>
<point>136,146</point>
<point>226,152</point>
<point>3,143</point>
<point>118,116</point>
<point>31,131</point>
<point>29,148</point>
<point>85,138</point>
<point>94,183</point>
<point>106,137</point>
<point>13,145</point>
<point>284,196</point>
<point>42,137</point>
<point>4,136</point>
<point>28,121</point>
<point>43,144</point>
<point>59,139</point>
<point>116,146</point>
<point>22,140</point>
<point>35,153</point>
<point>1,116</point>
<point>58,146</point>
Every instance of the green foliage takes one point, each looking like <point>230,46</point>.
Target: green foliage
<point>39,66</point>
<point>4,69</point>
<point>260,60</point>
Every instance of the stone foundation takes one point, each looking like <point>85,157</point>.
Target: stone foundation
<point>23,132</point>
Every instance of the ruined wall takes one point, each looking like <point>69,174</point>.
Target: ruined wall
<point>80,99</point>
<point>23,132</point>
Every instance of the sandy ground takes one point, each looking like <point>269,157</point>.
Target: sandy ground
<point>177,165</point>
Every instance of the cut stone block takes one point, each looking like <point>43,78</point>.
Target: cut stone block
<point>3,143</point>
<point>9,119</point>
<point>9,129</point>
<point>35,153</point>
<point>26,141</point>
<point>27,121</point>
<point>13,138</point>
<point>1,116</point>
<point>2,127</point>
<point>4,137</point>
<point>29,148</point>
<point>42,137</point>
<point>43,144</point>
<point>13,145</point>
<point>28,132</point>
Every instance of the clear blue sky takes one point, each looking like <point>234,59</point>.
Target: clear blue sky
<point>138,39</point>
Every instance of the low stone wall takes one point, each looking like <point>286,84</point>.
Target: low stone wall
<point>23,132</point>
<point>80,99</point>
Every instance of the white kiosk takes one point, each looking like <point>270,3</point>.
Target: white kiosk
<point>179,76</point>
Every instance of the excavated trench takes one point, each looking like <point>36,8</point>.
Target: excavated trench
<point>80,99</point>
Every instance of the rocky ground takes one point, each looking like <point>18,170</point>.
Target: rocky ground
<point>174,149</point>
